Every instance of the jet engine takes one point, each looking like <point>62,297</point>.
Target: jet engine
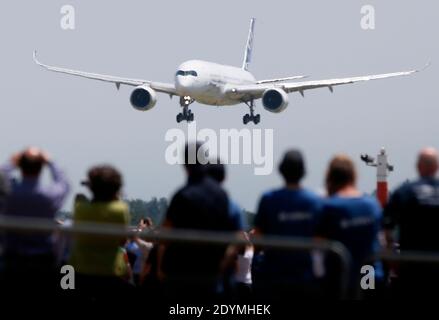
<point>275,100</point>
<point>143,98</point>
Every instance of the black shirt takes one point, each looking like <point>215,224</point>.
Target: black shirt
<point>200,205</point>
<point>414,208</point>
<point>3,193</point>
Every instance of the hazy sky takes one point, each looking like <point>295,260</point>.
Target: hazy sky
<point>83,122</point>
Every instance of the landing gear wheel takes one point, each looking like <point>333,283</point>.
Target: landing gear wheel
<point>186,114</point>
<point>257,119</point>
<point>251,117</point>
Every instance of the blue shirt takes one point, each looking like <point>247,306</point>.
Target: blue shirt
<point>236,215</point>
<point>291,213</point>
<point>28,198</point>
<point>355,222</point>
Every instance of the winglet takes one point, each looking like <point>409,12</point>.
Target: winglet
<point>420,69</point>
<point>36,59</point>
<point>423,68</point>
<point>426,66</point>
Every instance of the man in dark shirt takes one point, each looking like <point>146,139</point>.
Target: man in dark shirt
<point>4,190</point>
<point>414,209</point>
<point>290,211</point>
<point>30,198</point>
<point>188,270</point>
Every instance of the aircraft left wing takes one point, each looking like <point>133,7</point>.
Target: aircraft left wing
<point>255,91</point>
<point>158,86</point>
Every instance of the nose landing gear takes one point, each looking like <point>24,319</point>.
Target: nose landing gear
<point>186,114</point>
<point>251,117</point>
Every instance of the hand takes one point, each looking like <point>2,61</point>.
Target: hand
<point>16,158</point>
<point>38,153</point>
<point>46,158</point>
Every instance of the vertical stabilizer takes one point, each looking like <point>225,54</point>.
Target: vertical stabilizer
<point>249,46</point>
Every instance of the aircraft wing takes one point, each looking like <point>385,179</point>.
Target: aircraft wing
<point>255,91</point>
<point>280,79</point>
<point>158,86</point>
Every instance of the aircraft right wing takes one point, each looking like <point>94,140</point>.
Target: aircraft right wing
<point>255,91</point>
<point>280,79</point>
<point>158,86</point>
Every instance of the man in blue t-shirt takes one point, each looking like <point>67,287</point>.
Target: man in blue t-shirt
<point>351,218</point>
<point>290,211</point>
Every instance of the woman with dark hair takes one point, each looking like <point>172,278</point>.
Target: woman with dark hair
<point>98,259</point>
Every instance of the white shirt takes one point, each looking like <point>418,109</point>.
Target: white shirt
<point>243,272</point>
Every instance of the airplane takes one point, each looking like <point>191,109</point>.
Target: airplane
<point>220,85</point>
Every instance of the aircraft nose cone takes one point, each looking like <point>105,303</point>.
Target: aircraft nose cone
<point>183,83</point>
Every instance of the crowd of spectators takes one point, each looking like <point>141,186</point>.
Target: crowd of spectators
<point>113,265</point>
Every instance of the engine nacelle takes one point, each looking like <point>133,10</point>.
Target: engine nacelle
<point>275,100</point>
<point>143,98</point>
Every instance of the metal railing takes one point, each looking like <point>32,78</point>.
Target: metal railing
<point>410,256</point>
<point>39,225</point>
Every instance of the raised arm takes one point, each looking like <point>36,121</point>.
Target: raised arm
<point>60,186</point>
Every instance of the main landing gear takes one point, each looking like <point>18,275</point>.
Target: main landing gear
<point>251,117</point>
<point>186,114</point>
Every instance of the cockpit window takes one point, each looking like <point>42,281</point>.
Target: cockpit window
<point>186,73</point>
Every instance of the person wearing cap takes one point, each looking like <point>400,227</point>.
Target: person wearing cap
<point>97,259</point>
<point>289,211</point>
<point>413,210</point>
<point>30,259</point>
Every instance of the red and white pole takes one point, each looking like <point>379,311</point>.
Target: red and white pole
<point>382,174</point>
<point>383,169</point>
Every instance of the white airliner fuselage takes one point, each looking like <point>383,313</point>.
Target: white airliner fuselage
<point>207,82</point>
<point>220,85</point>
